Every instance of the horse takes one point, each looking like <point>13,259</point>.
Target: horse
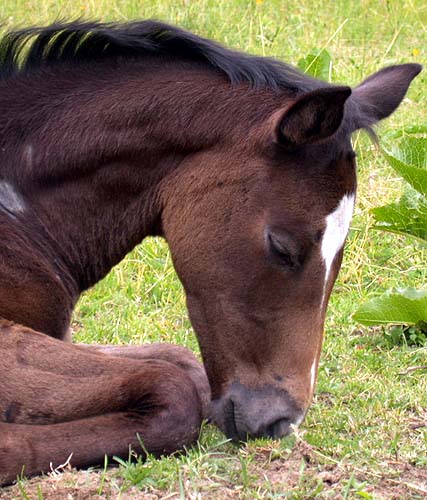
<point>110,133</point>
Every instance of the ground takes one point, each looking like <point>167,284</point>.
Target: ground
<point>300,472</point>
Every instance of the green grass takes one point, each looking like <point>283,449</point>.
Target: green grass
<point>363,421</point>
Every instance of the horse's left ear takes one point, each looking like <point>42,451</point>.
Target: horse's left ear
<point>380,94</point>
<point>314,116</point>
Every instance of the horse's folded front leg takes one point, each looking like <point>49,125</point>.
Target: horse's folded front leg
<point>161,412</point>
<point>175,354</point>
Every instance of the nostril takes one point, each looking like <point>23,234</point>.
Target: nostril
<point>231,429</point>
<point>232,419</point>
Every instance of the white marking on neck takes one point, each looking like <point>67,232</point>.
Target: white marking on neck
<point>10,199</point>
<point>337,225</point>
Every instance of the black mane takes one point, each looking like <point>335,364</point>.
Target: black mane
<point>26,50</point>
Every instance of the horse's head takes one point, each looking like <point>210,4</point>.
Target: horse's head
<point>257,233</point>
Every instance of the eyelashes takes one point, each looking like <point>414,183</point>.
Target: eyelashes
<point>282,252</point>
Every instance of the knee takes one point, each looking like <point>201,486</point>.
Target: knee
<point>184,359</point>
<point>183,411</point>
<point>172,405</point>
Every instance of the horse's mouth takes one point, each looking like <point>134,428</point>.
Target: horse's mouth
<point>263,412</point>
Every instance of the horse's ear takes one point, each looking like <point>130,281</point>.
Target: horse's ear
<point>312,117</point>
<point>380,94</point>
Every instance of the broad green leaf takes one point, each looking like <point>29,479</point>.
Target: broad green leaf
<point>317,63</point>
<point>408,216</point>
<point>414,130</point>
<point>408,156</point>
<point>411,150</point>
<point>405,306</point>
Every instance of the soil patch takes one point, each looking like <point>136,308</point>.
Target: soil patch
<point>304,470</point>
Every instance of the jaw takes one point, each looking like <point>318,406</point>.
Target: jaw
<point>257,391</point>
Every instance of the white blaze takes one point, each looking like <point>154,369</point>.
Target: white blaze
<point>337,225</point>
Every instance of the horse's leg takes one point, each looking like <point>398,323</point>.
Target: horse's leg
<point>40,352</point>
<point>178,355</point>
<point>56,399</point>
<point>162,419</point>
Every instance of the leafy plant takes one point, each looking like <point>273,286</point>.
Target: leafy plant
<point>406,152</point>
<point>410,335</point>
<point>404,307</point>
<point>317,63</point>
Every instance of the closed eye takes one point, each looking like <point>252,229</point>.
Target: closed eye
<point>282,252</point>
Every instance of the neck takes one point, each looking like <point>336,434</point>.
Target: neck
<point>96,151</point>
<point>94,221</point>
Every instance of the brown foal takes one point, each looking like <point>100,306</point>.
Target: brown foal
<point>111,133</point>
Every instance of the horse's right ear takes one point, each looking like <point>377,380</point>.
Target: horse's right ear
<point>314,116</point>
<point>379,95</point>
